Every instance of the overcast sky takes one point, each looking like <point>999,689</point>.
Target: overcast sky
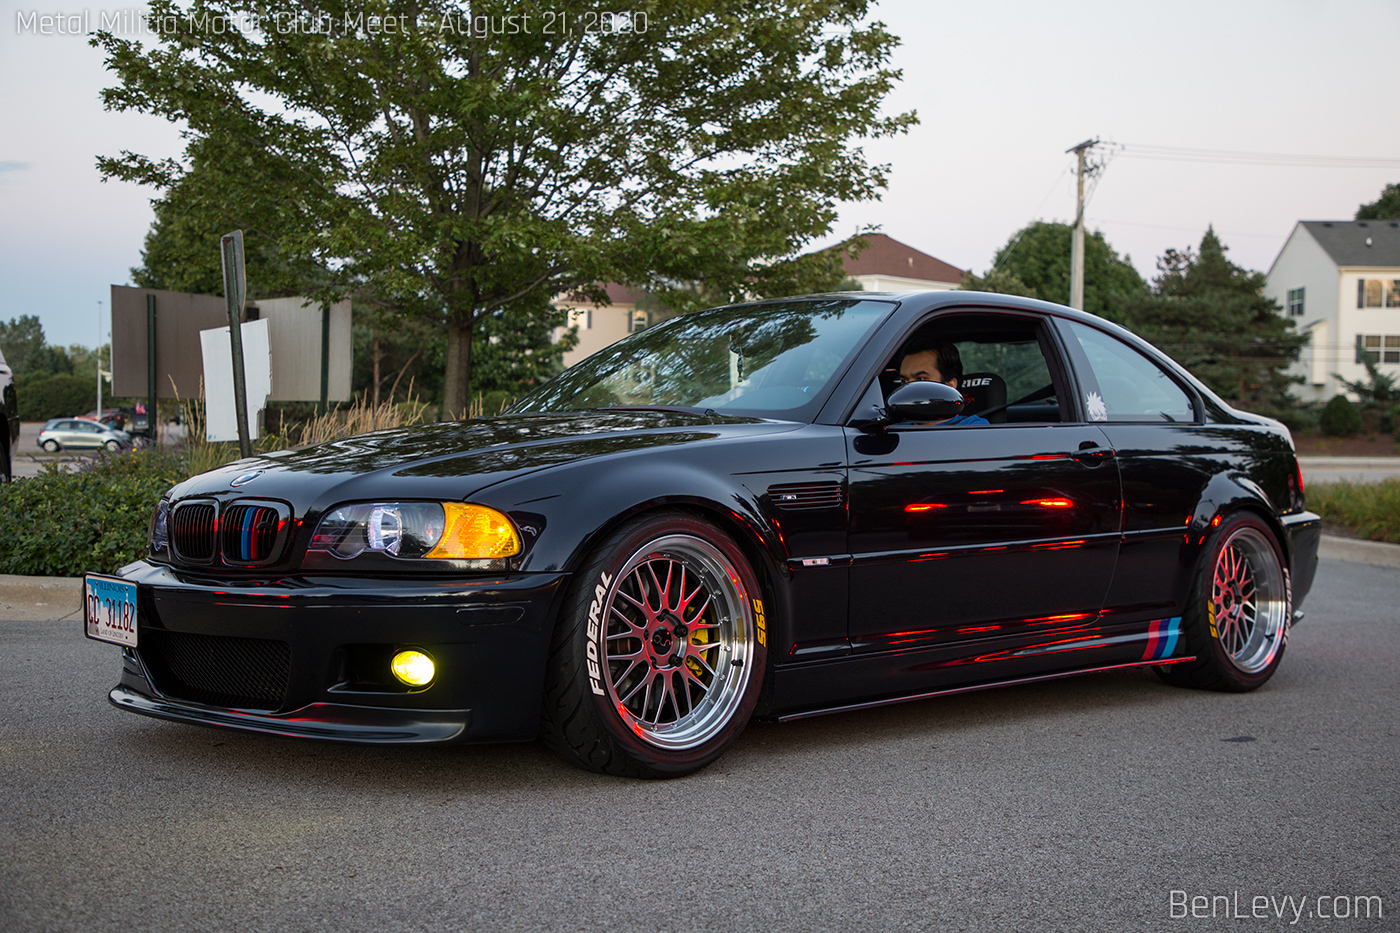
<point>1002,90</point>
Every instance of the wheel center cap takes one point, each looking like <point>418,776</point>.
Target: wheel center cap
<point>661,640</point>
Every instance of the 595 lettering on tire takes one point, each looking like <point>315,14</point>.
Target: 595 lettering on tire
<point>658,658</point>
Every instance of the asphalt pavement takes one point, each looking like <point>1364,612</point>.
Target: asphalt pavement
<point>1103,802</point>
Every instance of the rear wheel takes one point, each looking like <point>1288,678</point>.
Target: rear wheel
<point>658,657</point>
<point>1241,605</point>
<point>50,445</point>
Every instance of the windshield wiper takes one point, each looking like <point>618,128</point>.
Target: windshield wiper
<point>689,411</point>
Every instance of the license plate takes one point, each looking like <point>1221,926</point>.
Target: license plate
<point>109,609</point>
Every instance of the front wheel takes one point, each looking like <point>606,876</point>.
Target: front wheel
<point>113,445</point>
<point>1241,606</point>
<point>657,660</point>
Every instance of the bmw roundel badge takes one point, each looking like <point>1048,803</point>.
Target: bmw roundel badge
<point>246,478</point>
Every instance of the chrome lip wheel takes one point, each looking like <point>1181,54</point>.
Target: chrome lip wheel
<point>1249,606</point>
<point>677,650</point>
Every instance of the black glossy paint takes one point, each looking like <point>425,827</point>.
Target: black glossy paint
<point>894,561</point>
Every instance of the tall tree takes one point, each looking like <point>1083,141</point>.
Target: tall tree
<point>466,156</point>
<point>1212,316</point>
<point>1385,207</point>
<point>1035,263</point>
<point>182,247</point>
<point>27,351</point>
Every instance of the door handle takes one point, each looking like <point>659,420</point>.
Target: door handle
<point>1091,453</point>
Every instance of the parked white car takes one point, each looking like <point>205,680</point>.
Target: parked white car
<point>80,433</point>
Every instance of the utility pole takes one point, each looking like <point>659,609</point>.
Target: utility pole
<point>99,360</point>
<point>1076,252</point>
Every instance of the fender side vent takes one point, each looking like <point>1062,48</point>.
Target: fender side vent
<point>807,496</point>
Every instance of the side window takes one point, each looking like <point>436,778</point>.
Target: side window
<point>1131,387</point>
<point>998,363</point>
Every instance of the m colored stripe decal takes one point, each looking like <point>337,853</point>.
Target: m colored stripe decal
<point>1173,631</point>
<point>1162,636</point>
<point>248,518</point>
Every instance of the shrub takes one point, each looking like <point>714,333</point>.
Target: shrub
<point>42,396</point>
<point>1340,418</point>
<point>63,524</point>
<point>1368,510</point>
<point>66,524</point>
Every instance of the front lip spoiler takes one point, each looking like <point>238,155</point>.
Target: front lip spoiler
<point>328,722</point>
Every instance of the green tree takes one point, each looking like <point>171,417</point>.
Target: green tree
<point>182,251</point>
<point>1000,281</point>
<point>1211,316</point>
<point>462,173</point>
<point>1385,207</point>
<point>1035,263</point>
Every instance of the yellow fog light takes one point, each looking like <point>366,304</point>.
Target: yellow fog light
<point>413,668</point>
<point>474,532</point>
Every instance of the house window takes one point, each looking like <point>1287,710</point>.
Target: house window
<point>1295,302</point>
<point>1392,297</point>
<point>639,321</point>
<point>1378,348</point>
<point>1368,293</point>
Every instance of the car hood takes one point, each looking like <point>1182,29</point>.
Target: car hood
<point>454,460</point>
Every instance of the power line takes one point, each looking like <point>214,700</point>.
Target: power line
<point>1241,157</point>
<point>1229,233</point>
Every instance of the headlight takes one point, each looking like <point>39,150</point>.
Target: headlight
<point>450,530</point>
<point>160,532</point>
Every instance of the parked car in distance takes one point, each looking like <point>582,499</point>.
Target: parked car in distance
<point>112,417</point>
<point>80,434</point>
<point>9,420</point>
<point>771,510</point>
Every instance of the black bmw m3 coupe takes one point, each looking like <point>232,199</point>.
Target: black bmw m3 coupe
<point>770,510</point>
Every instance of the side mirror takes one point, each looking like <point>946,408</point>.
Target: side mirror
<point>924,401</point>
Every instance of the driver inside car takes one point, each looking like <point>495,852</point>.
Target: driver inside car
<point>928,360</point>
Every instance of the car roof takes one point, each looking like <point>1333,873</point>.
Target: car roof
<point>917,302</point>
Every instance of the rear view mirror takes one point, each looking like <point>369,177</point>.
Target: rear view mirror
<point>924,401</point>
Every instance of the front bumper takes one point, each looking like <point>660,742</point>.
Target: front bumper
<point>306,656</point>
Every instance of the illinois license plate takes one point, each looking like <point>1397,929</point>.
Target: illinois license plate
<point>109,609</point>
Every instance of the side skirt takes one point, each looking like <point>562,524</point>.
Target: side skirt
<point>890,701</point>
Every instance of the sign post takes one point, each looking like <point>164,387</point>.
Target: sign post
<point>235,285</point>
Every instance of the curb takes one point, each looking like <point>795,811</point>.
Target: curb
<point>1359,551</point>
<point>37,599</point>
<point>40,599</point>
<point>1361,463</point>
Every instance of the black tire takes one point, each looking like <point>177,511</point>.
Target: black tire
<point>113,445</point>
<point>648,677</point>
<point>1240,609</point>
<point>51,446</point>
<point>6,460</point>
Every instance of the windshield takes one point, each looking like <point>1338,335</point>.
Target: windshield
<point>776,360</point>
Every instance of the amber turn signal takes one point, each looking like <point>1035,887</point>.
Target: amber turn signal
<point>474,532</point>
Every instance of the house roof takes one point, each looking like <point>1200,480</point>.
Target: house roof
<point>887,256</point>
<point>1357,242</point>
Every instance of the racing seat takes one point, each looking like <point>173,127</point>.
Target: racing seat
<point>981,391</point>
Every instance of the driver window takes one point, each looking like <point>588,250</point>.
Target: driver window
<point>997,363</point>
